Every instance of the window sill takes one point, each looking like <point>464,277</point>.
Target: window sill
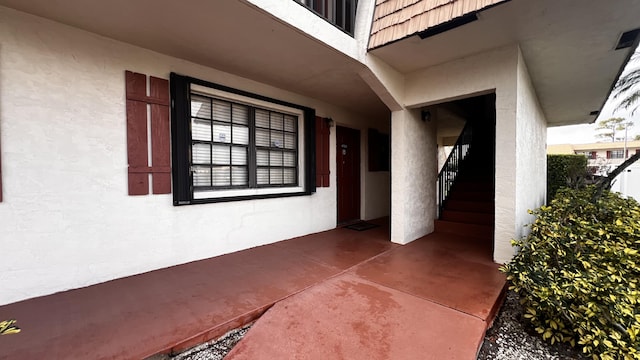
<point>240,198</point>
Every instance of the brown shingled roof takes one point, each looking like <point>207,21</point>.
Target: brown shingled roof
<point>396,19</point>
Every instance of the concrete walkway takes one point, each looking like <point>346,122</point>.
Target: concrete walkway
<point>337,294</point>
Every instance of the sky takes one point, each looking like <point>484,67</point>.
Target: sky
<point>581,134</point>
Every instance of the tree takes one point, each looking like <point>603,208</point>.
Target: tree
<point>637,138</point>
<point>611,127</point>
<point>605,182</point>
<point>628,88</point>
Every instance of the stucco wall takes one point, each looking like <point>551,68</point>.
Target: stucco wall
<point>376,191</point>
<point>413,176</point>
<point>495,70</point>
<point>531,157</point>
<point>308,22</point>
<point>66,220</point>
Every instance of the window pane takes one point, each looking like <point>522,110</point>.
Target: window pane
<point>221,133</point>
<point>222,176</point>
<point>289,141</point>
<point>262,157</point>
<point>221,154</point>
<point>262,118</point>
<point>275,158</point>
<point>275,176</point>
<point>277,139</point>
<point>262,176</point>
<point>226,136</point>
<point>240,114</point>
<point>240,135</point>
<point>289,176</point>
<point>201,154</point>
<point>201,176</point>
<point>290,123</point>
<point>289,159</point>
<point>262,137</point>
<point>239,175</point>
<point>221,111</point>
<point>238,155</point>
<point>200,129</point>
<point>200,107</point>
<point>277,121</point>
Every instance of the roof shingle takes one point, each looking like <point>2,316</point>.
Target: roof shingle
<point>396,19</point>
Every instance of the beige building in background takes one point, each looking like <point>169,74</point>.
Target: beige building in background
<point>606,156</point>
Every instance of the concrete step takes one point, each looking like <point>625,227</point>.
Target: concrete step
<point>471,206</point>
<point>463,229</point>
<point>458,194</point>
<point>462,185</point>
<point>468,217</point>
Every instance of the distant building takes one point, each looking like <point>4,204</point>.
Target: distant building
<point>603,157</point>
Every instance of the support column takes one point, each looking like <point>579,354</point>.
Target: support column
<point>413,175</point>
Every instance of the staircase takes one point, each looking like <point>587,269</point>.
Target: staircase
<point>468,208</point>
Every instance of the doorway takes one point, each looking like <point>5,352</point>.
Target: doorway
<point>348,174</point>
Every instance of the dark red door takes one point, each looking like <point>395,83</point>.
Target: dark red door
<point>348,173</point>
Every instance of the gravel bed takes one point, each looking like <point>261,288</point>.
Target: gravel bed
<point>511,339</point>
<point>216,349</point>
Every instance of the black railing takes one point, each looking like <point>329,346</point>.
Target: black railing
<point>452,166</point>
<point>341,13</point>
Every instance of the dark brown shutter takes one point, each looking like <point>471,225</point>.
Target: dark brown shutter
<point>322,152</point>
<point>608,154</point>
<point>137,143</point>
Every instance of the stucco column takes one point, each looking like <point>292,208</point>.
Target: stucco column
<point>413,176</point>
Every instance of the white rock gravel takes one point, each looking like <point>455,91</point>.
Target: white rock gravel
<point>216,349</point>
<point>508,339</point>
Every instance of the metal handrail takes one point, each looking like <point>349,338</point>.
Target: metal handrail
<point>451,168</point>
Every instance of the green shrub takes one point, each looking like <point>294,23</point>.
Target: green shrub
<point>564,170</point>
<point>8,327</point>
<point>578,273</point>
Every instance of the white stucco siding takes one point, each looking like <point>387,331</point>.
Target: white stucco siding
<point>310,23</point>
<point>66,220</point>
<point>531,165</point>
<point>492,71</point>
<point>376,188</point>
<point>374,185</point>
<point>414,172</point>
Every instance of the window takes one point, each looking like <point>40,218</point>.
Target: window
<point>233,145</point>
<point>615,154</point>
<point>589,154</point>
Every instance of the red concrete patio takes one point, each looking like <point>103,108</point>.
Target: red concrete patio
<point>339,294</point>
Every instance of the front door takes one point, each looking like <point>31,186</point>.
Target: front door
<point>348,174</point>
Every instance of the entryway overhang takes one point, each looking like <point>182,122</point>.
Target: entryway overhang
<point>569,48</point>
<point>234,36</point>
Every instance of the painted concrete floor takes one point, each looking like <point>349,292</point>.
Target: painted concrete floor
<point>339,294</point>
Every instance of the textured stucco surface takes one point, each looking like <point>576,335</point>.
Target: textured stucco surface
<point>492,71</point>
<point>531,155</point>
<point>66,220</point>
<point>413,177</point>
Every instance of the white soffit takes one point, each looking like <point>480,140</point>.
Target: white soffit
<point>229,35</point>
<point>568,47</point>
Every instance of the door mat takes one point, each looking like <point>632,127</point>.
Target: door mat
<point>362,226</point>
